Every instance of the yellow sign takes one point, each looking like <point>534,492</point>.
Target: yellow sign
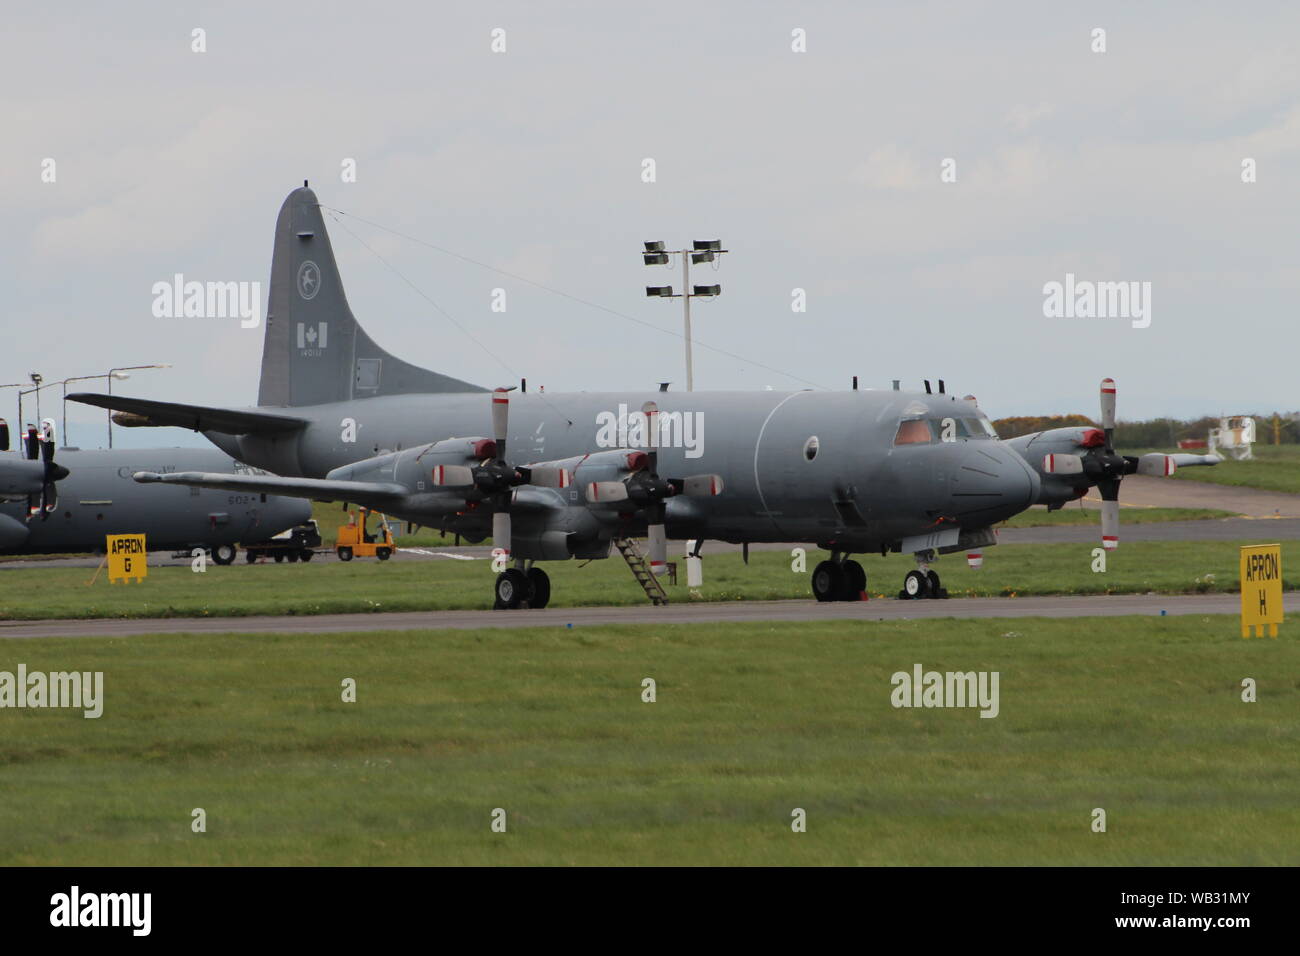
<point>1261,589</point>
<point>126,558</point>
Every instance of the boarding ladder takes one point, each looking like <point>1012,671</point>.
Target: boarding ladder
<point>641,571</point>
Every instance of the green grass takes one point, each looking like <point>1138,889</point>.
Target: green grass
<point>1274,468</point>
<point>1172,567</point>
<point>1139,716</point>
<point>1039,517</point>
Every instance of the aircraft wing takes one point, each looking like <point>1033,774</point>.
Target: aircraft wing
<point>1183,460</point>
<point>319,489</point>
<point>229,421</point>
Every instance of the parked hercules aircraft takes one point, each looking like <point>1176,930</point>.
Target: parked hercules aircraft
<point>49,507</point>
<point>558,476</point>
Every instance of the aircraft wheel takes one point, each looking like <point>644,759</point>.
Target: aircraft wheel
<point>855,581</point>
<point>915,586</point>
<point>540,587</point>
<point>293,557</point>
<point>937,590</point>
<point>250,556</point>
<point>511,589</point>
<point>223,554</point>
<point>383,554</point>
<point>345,554</point>
<point>305,554</point>
<point>279,557</point>
<point>827,581</point>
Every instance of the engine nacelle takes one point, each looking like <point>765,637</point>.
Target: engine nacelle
<point>12,533</point>
<point>1057,489</point>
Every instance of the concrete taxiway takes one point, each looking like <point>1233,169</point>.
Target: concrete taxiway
<point>743,612</point>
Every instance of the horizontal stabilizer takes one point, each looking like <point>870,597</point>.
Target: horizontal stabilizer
<point>228,421</point>
<point>319,489</point>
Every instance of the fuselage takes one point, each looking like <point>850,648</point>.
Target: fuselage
<point>860,470</point>
<point>98,498</point>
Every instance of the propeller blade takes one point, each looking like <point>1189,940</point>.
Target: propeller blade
<point>698,486</point>
<point>49,499</point>
<point>548,477</point>
<point>658,547</point>
<point>1108,408</point>
<point>1110,525</point>
<point>651,412</point>
<point>32,443</point>
<point>1062,465</point>
<point>500,420</point>
<point>1161,466</point>
<point>4,435</point>
<point>501,531</point>
<point>453,476</point>
<point>603,491</point>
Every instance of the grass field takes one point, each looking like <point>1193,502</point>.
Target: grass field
<point>1039,517</point>
<point>1275,468</point>
<point>412,584</point>
<point>1139,716</point>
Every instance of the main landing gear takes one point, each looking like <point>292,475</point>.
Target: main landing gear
<point>923,582</point>
<point>839,579</point>
<point>522,586</point>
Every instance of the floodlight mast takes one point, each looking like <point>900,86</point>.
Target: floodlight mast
<point>704,250</point>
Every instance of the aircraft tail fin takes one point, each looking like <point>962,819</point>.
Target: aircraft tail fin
<point>314,350</point>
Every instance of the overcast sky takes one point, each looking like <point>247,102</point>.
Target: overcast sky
<point>820,170</point>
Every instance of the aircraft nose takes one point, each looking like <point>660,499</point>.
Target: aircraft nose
<point>992,483</point>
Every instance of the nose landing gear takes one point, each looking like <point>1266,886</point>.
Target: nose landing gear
<point>923,582</point>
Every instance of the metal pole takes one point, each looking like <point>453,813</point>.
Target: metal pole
<point>686,305</point>
<point>64,383</point>
<point>109,410</point>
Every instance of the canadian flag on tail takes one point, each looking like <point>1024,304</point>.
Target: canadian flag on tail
<point>314,335</point>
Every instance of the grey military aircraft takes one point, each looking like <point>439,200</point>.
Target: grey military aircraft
<point>49,507</point>
<point>559,476</point>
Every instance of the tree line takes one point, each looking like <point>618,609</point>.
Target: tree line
<point>1154,433</point>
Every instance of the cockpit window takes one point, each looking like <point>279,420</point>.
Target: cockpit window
<point>915,431</point>
<point>926,430</point>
